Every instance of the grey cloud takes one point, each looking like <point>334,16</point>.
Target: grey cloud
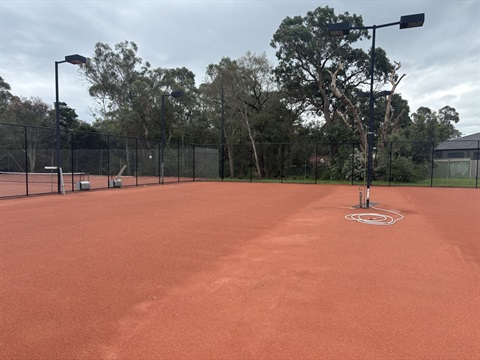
<point>439,59</point>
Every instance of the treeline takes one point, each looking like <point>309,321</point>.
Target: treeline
<point>310,96</point>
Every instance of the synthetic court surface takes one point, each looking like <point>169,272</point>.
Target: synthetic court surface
<point>240,271</point>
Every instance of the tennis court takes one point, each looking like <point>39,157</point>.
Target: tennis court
<point>240,271</point>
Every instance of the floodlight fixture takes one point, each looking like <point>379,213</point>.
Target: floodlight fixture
<point>339,29</point>
<point>412,21</point>
<point>76,59</point>
<point>176,94</point>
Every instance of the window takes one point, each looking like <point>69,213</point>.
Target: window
<point>456,155</point>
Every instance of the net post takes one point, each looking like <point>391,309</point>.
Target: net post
<point>60,179</point>
<point>60,183</point>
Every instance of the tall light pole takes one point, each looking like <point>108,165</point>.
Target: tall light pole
<point>76,60</point>
<point>341,29</point>
<point>222,135</point>
<point>175,94</point>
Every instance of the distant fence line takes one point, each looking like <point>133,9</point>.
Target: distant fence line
<point>27,150</point>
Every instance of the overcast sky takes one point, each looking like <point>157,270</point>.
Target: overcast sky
<point>441,60</point>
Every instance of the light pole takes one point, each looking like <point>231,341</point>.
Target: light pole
<point>222,136</point>
<point>341,29</point>
<point>174,94</point>
<point>76,60</point>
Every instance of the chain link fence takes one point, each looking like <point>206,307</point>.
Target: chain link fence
<point>28,161</point>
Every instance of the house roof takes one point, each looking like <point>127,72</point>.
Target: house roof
<point>463,143</point>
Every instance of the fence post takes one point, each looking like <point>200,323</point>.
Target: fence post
<point>26,158</point>
<point>72,152</point>
<point>316,162</point>
<point>353,162</point>
<point>282,149</point>
<point>193,165</point>
<point>108,161</point>
<point>136,161</point>
<point>478,159</point>
<point>251,163</point>
<point>222,161</point>
<point>390,164</point>
<point>432,164</point>
<point>159,163</point>
<point>178,162</point>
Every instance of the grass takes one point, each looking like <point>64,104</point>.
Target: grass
<point>437,182</point>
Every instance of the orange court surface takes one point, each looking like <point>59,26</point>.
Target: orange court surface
<point>240,271</point>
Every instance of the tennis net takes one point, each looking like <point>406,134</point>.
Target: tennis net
<point>41,178</point>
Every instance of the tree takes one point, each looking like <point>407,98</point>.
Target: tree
<point>212,93</point>
<point>436,126</point>
<point>40,135</point>
<point>67,116</point>
<point>246,85</point>
<point>446,117</point>
<point>305,52</point>
<point>128,92</point>
<point>116,78</point>
<point>5,97</point>
<point>179,115</point>
<point>429,127</point>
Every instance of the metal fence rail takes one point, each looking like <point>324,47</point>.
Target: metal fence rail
<point>28,150</point>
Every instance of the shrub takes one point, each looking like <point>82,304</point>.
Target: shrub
<point>403,170</point>
<point>357,160</point>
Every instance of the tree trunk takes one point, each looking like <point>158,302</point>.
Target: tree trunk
<point>325,99</point>
<point>230,157</point>
<point>252,140</point>
<point>356,117</point>
<point>388,117</point>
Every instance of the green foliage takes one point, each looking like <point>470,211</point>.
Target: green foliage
<point>129,93</point>
<point>5,96</point>
<point>345,158</point>
<point>305,51</point>
<point>402,170</point>
<point>260,104</point>
<point>354,167</point>
<point>67,116</point>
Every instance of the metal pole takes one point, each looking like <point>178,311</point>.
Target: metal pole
<point>370,126</point>
<point>353,163</point>
<point>390,165</point>
<point>432,163</point>
<point>478,159</point>
<point>57,126</point>
<point>136,161</point>
<point>72,160</point>
<point>193,163</point>
<point>222,163</point>
<point>108,161</point>
<point>26,158</point>
<point>163,139</point>
<point>282,149</point>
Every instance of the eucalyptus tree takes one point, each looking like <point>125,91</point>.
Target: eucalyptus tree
<point>5,97</point>
<point>181,114</point>
<point>115,79</point>
<point>325,75</point>
<point>40,119</point>
<point>222,115</point>
<point>246,85</point>
<point>306,52</point>
<point>128,92</point>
